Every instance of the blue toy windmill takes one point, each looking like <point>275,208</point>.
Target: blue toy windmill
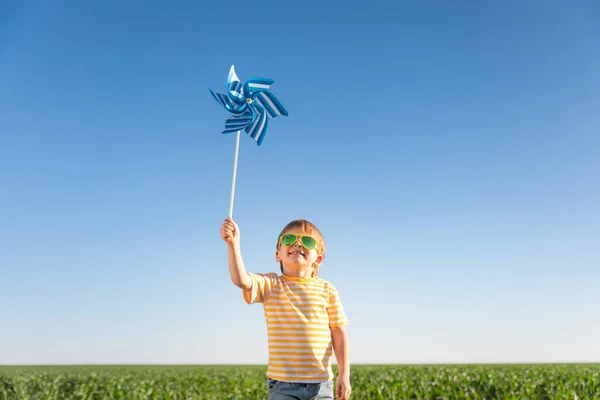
<point>251,106</point>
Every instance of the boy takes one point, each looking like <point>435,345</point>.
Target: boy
<point>304,315</point>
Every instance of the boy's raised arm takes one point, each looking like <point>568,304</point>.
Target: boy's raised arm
<point>230,233</point>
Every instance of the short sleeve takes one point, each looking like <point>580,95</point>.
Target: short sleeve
<point>335,311</point>
<point>260,288</point>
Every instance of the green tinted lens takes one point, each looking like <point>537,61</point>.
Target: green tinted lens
<point>288,240</point>
<point>308,242</point>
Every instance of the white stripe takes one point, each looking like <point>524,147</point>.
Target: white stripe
<point>273,351</point>
<point>301,334</point>
<point>298,291</point>
<point>259,85</point>
<point>289,362</point>
<point>320,306</point>
<point>298,326</point>
<point>237,94</point>
<point>309,339</point>
<point>317,348</point>
<point>273,107</point>
<point>302,296</point>
<point>253,126</point>
<point>316,329</point>
<point>321,313</point>
<point>288,357</point>
<point>276,306</point>
<point>289,319</point>
<point>299,285</point>
<point>260,130</point>
<point>296,297</point>
<point>318,356</point>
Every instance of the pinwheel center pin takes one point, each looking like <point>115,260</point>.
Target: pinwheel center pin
<point>249,100</point>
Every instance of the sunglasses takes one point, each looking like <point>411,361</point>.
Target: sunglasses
<point>290,239</point>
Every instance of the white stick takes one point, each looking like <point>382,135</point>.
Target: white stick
<point>237,146</point>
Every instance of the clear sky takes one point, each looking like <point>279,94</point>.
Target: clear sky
<point>449,151</point>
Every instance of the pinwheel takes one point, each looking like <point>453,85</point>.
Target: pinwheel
<point>251,106</point>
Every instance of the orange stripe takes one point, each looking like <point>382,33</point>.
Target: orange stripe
<point>303,334</point>
<point>283,346</point>
<point>288,356</point>
<point>325,331</point>
<point>287,306</point>
<point>282,364</point>
<point>313,295</point>
<point>300,378</point>
<point>286,309</point>
<point>280,294</point>
<point>313,314</point>
<point>286,319</point>
<point>307,343</point>
<point>300,370</point>
<point>288,294</point>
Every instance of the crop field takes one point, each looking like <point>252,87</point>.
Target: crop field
<point>448,382</point>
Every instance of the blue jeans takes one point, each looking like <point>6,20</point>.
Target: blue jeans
<point>280,390</point>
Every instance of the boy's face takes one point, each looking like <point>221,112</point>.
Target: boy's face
<point>296,258</point>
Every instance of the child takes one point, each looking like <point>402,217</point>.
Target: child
<point>304,315</point>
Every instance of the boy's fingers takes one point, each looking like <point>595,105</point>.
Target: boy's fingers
<point>342,392</point>
<point>228,228</point>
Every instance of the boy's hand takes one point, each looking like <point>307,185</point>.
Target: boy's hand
<point>230,232</point>
<point>342,387</point>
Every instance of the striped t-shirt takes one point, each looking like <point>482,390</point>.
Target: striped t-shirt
<point>299,313</point>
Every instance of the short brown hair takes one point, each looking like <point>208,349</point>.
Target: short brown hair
<point>310,229</point>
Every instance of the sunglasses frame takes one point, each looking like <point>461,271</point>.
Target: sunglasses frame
<point>298,237</point>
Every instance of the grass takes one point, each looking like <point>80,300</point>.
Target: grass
<point>435,382</point>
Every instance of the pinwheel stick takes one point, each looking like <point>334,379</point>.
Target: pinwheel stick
<point>235,158</point>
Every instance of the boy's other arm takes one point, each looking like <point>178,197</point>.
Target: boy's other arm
<point>339,337</point>
<point>230,233</point>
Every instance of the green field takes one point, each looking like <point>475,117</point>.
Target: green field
<point>552,381</point>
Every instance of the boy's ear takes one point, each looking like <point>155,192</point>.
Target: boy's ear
<point>319,260</point>
<point>277,256</point>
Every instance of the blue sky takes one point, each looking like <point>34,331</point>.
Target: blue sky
<point>448,151</point>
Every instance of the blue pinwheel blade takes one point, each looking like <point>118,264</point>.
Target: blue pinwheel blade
<point>258,129</point>
<point>226,103</point>
<point>236,93</point>
<point>237,123</point>
<point>220,98</point>
<point>257,85</point>
<point>271,104</point>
